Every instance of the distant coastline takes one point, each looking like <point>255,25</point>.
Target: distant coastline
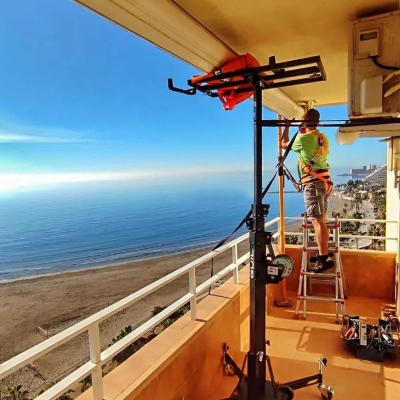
<point>354,175</point>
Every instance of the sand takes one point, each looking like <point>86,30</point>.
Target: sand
<point>55,302</point>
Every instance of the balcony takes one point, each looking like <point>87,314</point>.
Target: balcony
<point>184,360</point>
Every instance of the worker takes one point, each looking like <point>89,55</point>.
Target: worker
<point>312,147</point>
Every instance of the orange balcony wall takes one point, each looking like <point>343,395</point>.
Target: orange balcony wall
<point>185,360</point>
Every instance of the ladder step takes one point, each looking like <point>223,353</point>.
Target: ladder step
<point>329,225</point>
<point>320,298</point>
<point>320,276</point>
<point>323,282</point>
<point>312,243</point>
<point>331,249</point>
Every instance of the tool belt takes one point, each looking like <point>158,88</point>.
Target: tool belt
<point>320,175</point>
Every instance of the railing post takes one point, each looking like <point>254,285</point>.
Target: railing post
<point>235,262</point>
<point>192,290</point>
<point>95,358</point>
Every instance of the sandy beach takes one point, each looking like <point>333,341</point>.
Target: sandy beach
<point>55,302</point>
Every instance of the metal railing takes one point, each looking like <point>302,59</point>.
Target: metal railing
<point>91,324</point>
<point>349,236</point>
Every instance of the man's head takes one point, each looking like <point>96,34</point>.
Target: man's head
<point>311,119</point>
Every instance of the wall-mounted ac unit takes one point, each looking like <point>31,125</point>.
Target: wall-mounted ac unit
<point>374,91</point>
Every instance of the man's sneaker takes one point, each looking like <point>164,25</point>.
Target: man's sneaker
<point>314,259</point>
<point>321,266</point>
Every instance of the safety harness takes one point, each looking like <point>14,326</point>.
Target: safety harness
<point>311,176</point>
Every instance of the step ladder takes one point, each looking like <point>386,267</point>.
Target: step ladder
<point>308,280</point>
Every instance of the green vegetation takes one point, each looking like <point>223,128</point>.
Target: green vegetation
<point>14,393</point>
<point>294,239</point>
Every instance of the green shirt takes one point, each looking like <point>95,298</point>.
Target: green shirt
<point>306,146</point>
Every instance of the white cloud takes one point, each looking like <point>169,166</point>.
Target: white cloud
<point>11,182</point>
<point>36,134</point>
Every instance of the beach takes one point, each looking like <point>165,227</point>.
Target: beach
<point>55,302</point>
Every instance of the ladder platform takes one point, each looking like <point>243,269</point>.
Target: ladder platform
<point>313,243</point>
<point>321,298</point>
<point>331,249</point>
<point>321,275</point>
<point>329,225</point>
<point>324,282</point>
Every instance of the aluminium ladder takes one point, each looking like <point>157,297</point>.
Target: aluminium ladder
<point>308,279</point>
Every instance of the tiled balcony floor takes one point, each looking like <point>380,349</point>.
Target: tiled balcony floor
<point>296,346</point>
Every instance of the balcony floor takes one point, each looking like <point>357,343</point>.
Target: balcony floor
<point>297,345</point>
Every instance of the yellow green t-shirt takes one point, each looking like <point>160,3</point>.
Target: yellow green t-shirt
<point>306,146</point>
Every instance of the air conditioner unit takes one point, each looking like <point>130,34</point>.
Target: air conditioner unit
<point>374,91</point>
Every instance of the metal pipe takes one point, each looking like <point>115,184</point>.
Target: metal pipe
<point>281,208</point>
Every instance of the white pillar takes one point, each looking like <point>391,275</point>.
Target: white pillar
<point>393,212</point>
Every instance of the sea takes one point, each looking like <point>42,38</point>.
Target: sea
<point>78,225</point>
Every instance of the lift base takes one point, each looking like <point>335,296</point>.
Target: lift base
<point>282,393</point>
<point>273,389</point>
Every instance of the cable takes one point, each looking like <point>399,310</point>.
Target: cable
<point>280,164</point>
<point>211,274</point>
<point>378,64</point>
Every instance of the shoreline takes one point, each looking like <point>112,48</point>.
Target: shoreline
<point>100,266</point>
<point>337,205</point>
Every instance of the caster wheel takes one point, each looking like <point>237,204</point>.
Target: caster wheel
<point>326,392</point>
<point>296,316</point>
<point>285,393</point>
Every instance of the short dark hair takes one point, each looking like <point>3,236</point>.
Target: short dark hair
<point>311,118</point>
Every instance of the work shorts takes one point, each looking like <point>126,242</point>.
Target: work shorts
<point>316,199</point>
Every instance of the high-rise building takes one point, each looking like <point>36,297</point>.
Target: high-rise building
<point>377,177</point>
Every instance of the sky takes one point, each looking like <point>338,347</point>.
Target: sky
<point>81,97</point>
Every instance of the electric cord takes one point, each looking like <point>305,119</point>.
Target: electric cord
<point>378,64</point>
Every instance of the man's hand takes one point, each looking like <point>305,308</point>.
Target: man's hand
<point>288,122</point>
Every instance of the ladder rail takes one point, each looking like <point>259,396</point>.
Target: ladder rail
<point>308,279</point>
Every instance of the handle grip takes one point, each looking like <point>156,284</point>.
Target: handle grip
<point>189,92</point>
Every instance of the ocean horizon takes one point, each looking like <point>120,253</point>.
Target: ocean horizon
<point>73,226</point>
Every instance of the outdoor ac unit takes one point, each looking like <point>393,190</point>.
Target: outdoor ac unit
<point>374,91</point>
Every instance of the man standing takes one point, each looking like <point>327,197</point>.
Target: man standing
<point>312,147</point>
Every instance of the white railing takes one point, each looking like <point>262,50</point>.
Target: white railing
<point>91,325</point>
<point>350,236</point>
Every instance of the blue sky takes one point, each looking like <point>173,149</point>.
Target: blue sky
<point>80,95</point>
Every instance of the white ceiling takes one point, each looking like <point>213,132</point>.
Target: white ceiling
<point>290,29</point>
<point>205,33</point>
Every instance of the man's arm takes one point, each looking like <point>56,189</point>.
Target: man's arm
<point>285,137</point>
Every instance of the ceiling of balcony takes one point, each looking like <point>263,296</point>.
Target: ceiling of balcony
<point>205,33</point>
